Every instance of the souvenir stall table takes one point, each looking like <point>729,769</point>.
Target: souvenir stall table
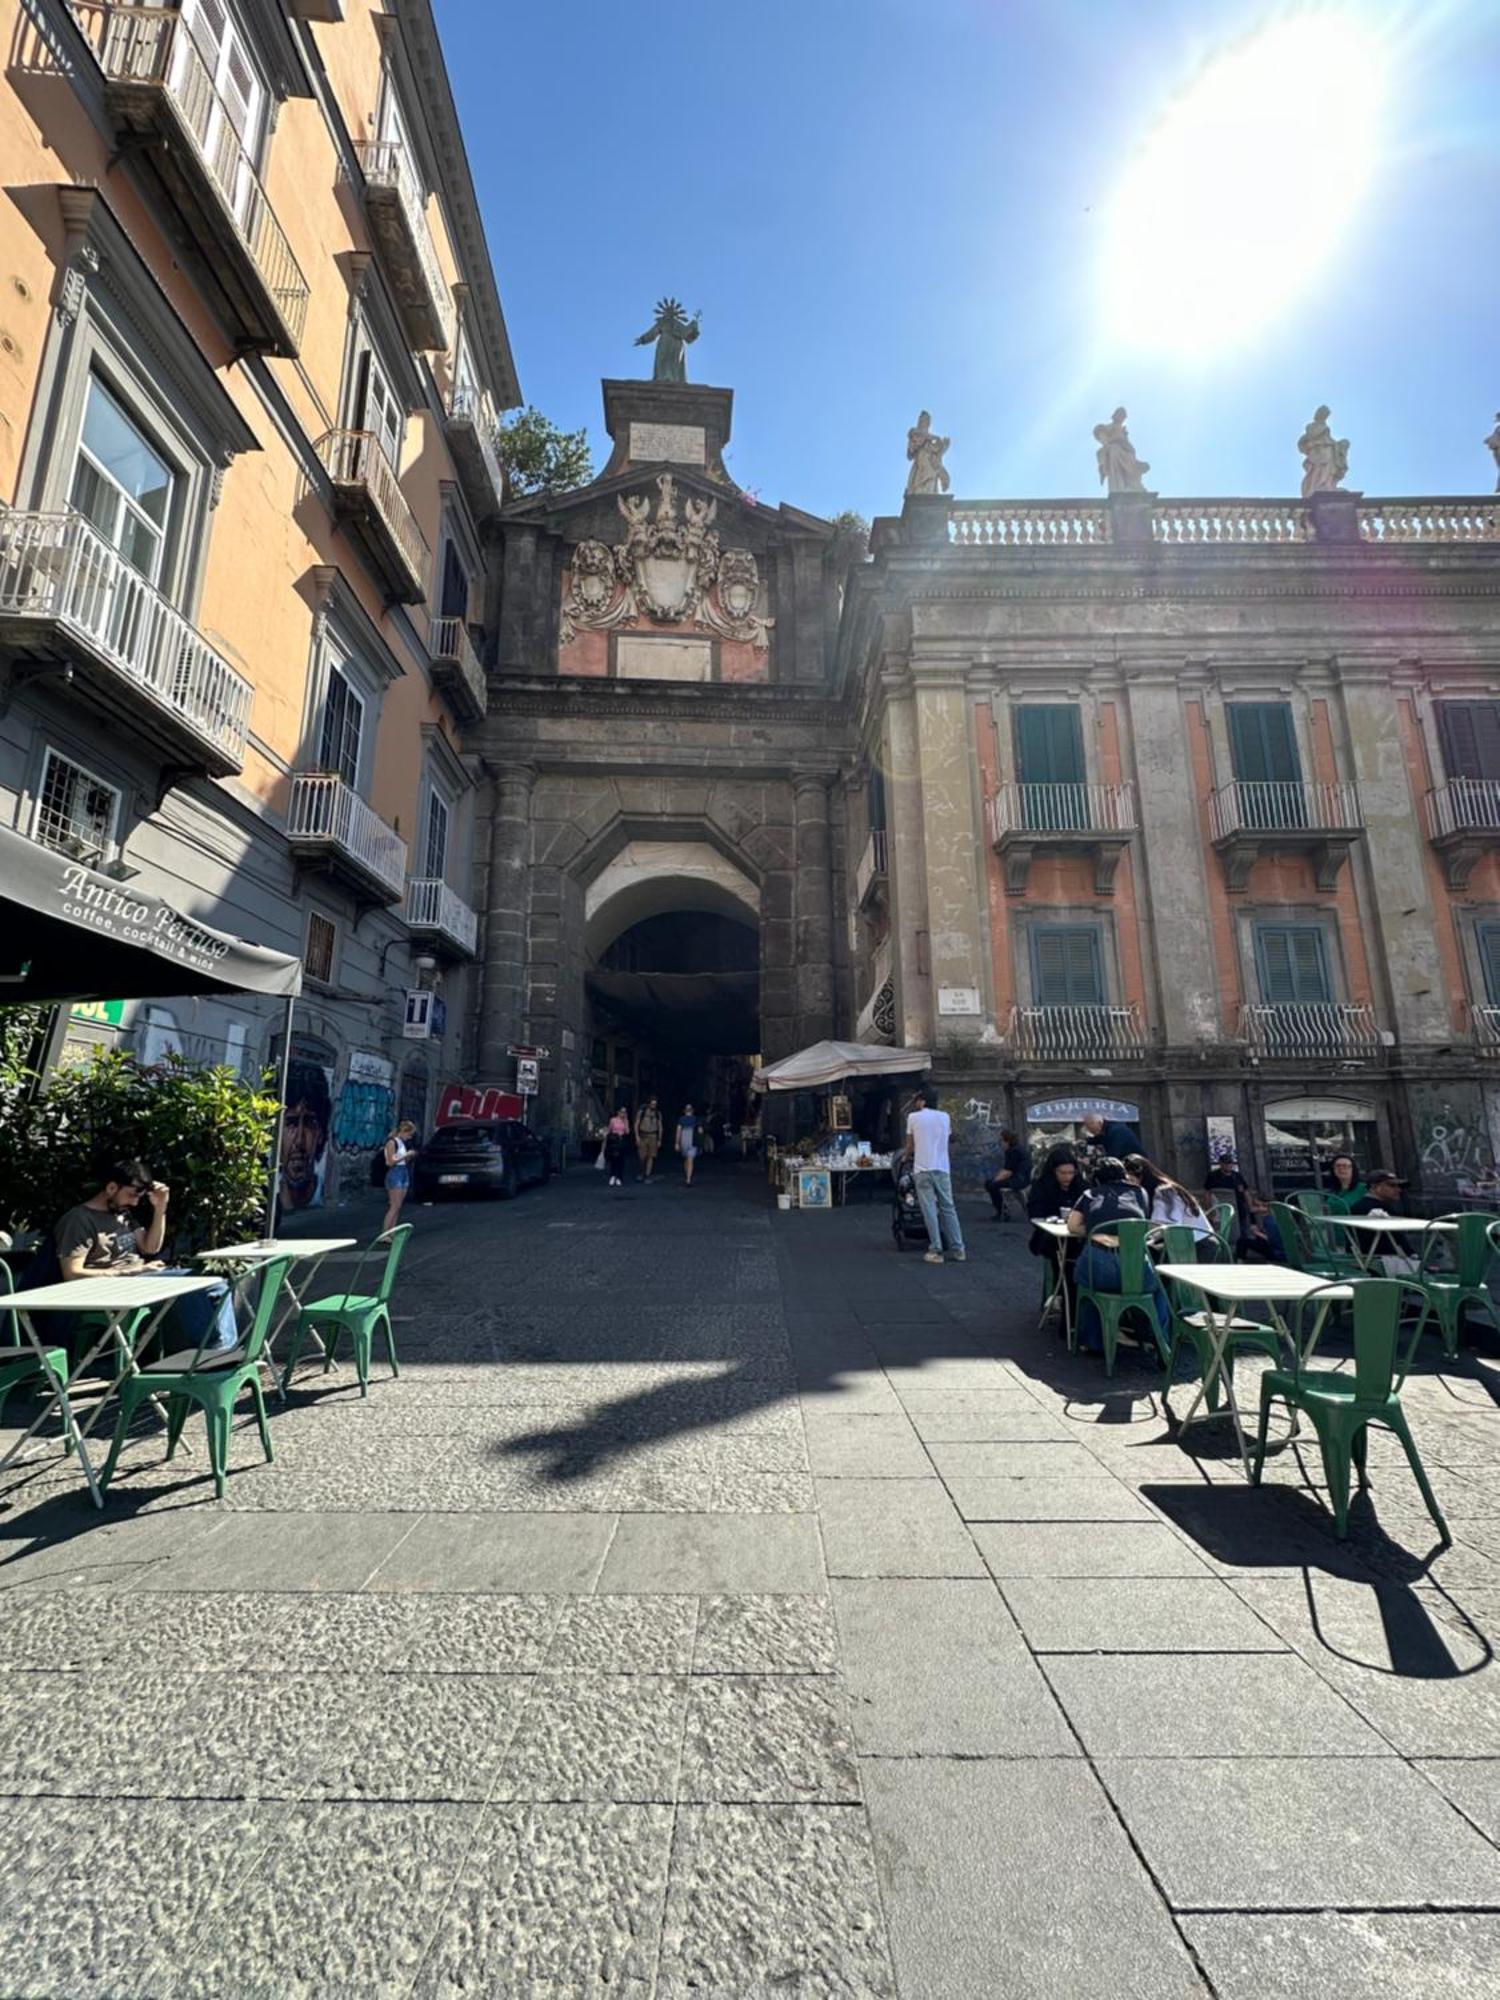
<point>820,1170</point>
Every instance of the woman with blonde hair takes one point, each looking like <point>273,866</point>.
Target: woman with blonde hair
<point>398,1152</point>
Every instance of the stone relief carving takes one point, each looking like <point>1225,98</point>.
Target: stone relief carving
<point>928,473</point>
<point>1120,470</point>
<point>1325,458</point>
<point>673,570</point>
<point>1493,443</point>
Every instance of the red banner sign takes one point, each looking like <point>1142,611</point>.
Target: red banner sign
<point>458,1103</point>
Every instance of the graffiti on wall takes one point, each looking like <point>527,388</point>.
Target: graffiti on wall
<point>1453,1147</point>
<point>973,1143</point>
<point>365,1110</point>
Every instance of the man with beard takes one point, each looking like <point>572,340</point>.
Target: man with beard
<point>304,1135</point>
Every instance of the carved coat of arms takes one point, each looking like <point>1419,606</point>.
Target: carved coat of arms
<point>666,568</point>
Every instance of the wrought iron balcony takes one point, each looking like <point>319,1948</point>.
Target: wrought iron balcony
<point>161,100</point>
<point>397,215</point>
<point>69,600</point>
<point>869,876</point>
<point>1077,1034</point>
<point>472,424</point>
<point>877,1016</point>
<point>329,825</point>
<point>1486,1021</point>
<point>456,672</point>
<point>1027,820</point>
<point>1463,822</point>
<point>1252,818</point>
<point>1312,1031</point>
<point>435,913</point>
<point>367,497</point>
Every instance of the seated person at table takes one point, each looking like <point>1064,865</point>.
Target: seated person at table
<point>108,1236</point>
<point>1012,1176</point>
<point>1170,1200</point>
<point>1383,1197</point>
<point>1260,1240</point>
<point>1112,1198</point>
<point>1050,1196</point>
<point>1225,1182</point>
<point>1342,1186</point>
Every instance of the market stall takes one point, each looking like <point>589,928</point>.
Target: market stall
<point>846,1101</point>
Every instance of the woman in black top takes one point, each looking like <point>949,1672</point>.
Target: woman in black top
<point>1112,1198</point>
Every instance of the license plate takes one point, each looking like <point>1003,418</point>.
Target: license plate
<point>452,1180</point>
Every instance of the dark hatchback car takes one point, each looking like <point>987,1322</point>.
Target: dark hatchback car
<point>496,1156</point>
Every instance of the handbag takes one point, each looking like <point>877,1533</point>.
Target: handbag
<point>600,1162</point>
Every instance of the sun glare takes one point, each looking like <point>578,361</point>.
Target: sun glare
<point>1236,198</point>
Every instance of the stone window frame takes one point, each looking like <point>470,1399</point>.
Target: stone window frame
<point>45,749</point>
<point>1246,683</point>
<point>335,948</point>
<point>1311,916</point>
<point>1472,919</point>
<point>343,635</point>
<point>112,319</point>
<point>1079,694</point>
<point>1070,916</point>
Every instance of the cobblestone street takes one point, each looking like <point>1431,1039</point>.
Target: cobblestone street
<point>721,1604</point>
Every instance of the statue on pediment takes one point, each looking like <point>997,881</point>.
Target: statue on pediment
<point>1120,470</point>
<point>925,450</point>
<point>673,333</point>
<point>1325,458</point>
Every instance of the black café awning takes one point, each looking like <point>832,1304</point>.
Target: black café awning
<point>69,933</point>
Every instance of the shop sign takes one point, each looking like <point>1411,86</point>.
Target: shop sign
<point>1069,1110</point>
<point>101,1013</point>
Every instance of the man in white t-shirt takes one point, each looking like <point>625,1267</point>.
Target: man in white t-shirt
<point>927,1132</point>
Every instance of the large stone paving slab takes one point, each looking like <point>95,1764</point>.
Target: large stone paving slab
<point>1136,1615</point>
<point>709,1552</point>
<point>893,1527</point>
<point>1209,1705</point>
<point>1106,1549</point>
<point>1378,1955</point>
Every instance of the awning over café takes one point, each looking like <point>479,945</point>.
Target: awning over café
<point>68,932</point>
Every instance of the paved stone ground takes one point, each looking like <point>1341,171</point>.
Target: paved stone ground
<point>721,1604</point>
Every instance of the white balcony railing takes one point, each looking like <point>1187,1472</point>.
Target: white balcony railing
<point>1487,1029</point>
<point>1284,806</point>
<point>357,458</point>
<point>326,812</point>
<point>1027,524</point>
<point>1077,1034</point>
<point>471,405</point>
<point>153,45</point>
<point>1430,521</point>
<point>450,646</point>
<point>1310,1029</point>
<point>432,906</point>
<point>1217,523</point>
<point>56,567</point>
<point>1062,809</point>
<point>871,867</point>
<point>1463,805</point>
<point>386,163</point>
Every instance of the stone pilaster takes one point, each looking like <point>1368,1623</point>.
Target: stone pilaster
<point>951,851</point>
<point>906,868</point>
<point>503,999</point>
<point>1170,858</point>
<point>814,903</point>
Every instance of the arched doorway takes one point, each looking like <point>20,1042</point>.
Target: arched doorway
<point>672,980</point>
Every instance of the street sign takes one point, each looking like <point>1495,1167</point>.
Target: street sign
<point>526,1076</point>
<point>525,1049</point>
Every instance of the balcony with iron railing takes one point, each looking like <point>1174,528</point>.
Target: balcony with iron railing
<point>1463,822</point>
<point>1312,1031</point>
<point>329,826</point>
<point>1486,1024</point>
<point>1094,820</point>
<point>877,1014</point>
<point>471,429</point>
<point>70,601</point>
<point>397,214</point>
<point>1075,1034</point>
<point>870,874</point>
<point>1251,818</point>
<point>437,915</point>
<point>161,101</point>
<point>367,497</point>
<point>456,672</point>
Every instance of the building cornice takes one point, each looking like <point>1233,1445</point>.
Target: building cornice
<point>710,701</point>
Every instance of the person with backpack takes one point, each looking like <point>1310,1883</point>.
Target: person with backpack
<point>648,1137</point>
<point>398,1153</point>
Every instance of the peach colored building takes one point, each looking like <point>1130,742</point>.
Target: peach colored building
<point>251,358</point>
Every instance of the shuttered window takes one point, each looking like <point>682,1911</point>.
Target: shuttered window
<point>437,837</point>
<point>1292,965</point>
<point>1488,938</point>
<point>1067,966</point>
<point>1049,761</point>
<point>343,729</point>
<point>1263,743</point>
<point>1471,738</point>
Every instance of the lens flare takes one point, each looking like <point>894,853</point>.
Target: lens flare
<point>1235,201</point>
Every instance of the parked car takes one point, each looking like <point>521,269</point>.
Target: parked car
<point>489,1156</point>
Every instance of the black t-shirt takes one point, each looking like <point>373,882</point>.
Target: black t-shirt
<point>110,1238</point>
<point>1018,1160</point>
<point>1116,1202</point>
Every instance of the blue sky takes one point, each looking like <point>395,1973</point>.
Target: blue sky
<point>884,205</point>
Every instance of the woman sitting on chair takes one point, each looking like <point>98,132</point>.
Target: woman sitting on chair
<point>1112,1198</point>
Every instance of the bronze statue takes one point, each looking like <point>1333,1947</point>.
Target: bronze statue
<point>672,331</point>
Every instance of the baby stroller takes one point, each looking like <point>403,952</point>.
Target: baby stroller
<point>907,1225</point>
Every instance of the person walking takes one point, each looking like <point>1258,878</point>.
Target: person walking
<point>616,1146</point>
<point>927,1133</point>
<point>398,1152</point>
<point>1012,1176</point>
<point>687,1142</point>
<point>647,1137</point>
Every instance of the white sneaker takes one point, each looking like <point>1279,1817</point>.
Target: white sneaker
<point>933,1257</point>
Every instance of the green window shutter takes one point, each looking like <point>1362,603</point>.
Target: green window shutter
<point>1263,743</point>
<point>1066,966</point>
<point>1292,965</point>
<point>1471,738</point>
<point>1049,745</point>
<point>1489,961</point>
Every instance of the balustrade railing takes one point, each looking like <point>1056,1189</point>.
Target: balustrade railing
<point>1487,1029</point>
<point>154,45</point>
<point>55,566</point>
<point>387,163</point>
<point>1429,521</point>
<point>449,640</point>
<point>1076,1034</point>
<point>469,404</point>
<point>1463,805</point>
<point>1210,523</point>
<point>324,810</point>
<point>1012,524</point>
<point>871,865</point>
<point>357,458</point>
<point>432,906</point>
<point>1310,1029</point>
<point>1284,806</point>
<point>1068,808</point>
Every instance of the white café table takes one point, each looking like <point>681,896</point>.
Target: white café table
<point>1366,1230</point>
<point>1057,1229</point>
<point>309,1250</point>
<point>119,1298</point>
<point>1223,1286</point>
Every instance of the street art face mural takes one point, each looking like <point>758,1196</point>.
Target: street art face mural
<point>306,1123</point>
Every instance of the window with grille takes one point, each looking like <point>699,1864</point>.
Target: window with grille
<point>75,811</point>
<point>343,726</point>
<point>1292,965</point>
<point>322,948</point>
<point>1067,966</point>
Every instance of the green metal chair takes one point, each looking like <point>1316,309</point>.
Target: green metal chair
<point>1341,1407</point>
<point>1447,1293</point>
<point>1302,1254</point>
<point>210,1377</point>
<point>357,1312</point>
<point>1190,1324</point>
<point>1221,1214</point>
<point>1112,1307</point>
<point>18,1358</point>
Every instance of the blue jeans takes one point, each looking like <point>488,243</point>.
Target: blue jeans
<point>202,1319</point>
<point>1099,1270</point>
<point>935,1199</point>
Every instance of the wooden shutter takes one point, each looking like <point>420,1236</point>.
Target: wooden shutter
<point>1066,968</point>
<point>1263,743</point>
<point>1488,938</point>
<point>1471,738</point>
<point>1292,965</point>
<point>437,837</point>
<point>455,600</point>
<point>1049,745</point>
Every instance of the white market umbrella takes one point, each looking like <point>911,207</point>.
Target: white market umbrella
<point>831,1062</point>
